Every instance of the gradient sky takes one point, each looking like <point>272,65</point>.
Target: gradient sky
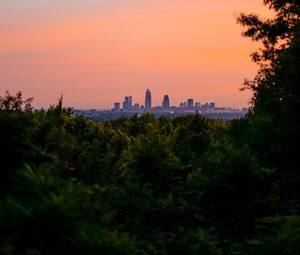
<point>95,52</point>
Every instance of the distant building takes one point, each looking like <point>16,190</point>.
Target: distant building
<point>197,105</point>
<point>127,104</point>
<point>116,107</point>
<point>190,103</point>
<point>148,101</point>
<point>166,102</point>
<point>204,107</point>
<point>136,107</point>
<point>212,105</point>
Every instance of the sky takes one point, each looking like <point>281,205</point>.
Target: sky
<point>95,52</point>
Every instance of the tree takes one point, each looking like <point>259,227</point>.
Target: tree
<point>52,215</point>
<point>277,35</point>
<point>15,103</point>
<point>276,85</point>
<point>18,124</point>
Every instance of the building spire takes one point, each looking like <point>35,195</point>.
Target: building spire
<point>148,101</point>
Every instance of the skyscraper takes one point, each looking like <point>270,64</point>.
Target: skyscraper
<point>127,104</point>
<point>212,105</point>
<point>190,103</point>
<point>166,102</point>
<point>116,107</point>
<point>148,101</point>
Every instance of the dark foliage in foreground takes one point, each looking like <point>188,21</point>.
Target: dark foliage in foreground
<point>142,185</point>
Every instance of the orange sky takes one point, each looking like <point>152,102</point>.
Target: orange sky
<point>95,52</point>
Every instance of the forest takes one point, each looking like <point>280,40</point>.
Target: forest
<point>148,185</point>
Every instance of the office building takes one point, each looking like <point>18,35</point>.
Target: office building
<point>166,102</point>
<point>148,101</point>
<point>116,107</point>
<point>197,105</point>
<point>190,103</point>
<point>136,107</point>
<point>183,104</point>
<point>127,104</point>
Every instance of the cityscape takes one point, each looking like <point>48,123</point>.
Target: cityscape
<point>129,108</point>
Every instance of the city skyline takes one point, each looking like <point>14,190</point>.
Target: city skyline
<point>188,107</point>
<point>157,100</point>
<point>94,52</point>
<point>130,105</point>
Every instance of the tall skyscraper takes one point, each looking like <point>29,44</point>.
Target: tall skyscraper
<point>190,103</point>
<point>127,104</point>
<point>166,102</point>
<point>148,101</point>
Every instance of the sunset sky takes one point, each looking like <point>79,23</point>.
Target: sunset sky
<point>95,52</point>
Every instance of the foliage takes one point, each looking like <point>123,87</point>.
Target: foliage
<point>15,103</point>
<point>276,90</point>
<point>140,185</point>
<point>50,215</point>
<point>277,33</point>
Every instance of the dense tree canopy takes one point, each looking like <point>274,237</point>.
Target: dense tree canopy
<point>276,87</point>
<point>140,185</point>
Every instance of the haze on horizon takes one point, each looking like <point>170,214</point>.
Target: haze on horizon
<point>96,52</point>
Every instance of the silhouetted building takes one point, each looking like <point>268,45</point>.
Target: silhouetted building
<point>116,107</point>
<point>166,102</point>
<point>205,107</point>
<point>190,103</point>
<point>182,104</point>
<point>136,107</point>
<point>148,101</point>
<point>127,104</point>
<point>212,105</point>
<point>197,104</point>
